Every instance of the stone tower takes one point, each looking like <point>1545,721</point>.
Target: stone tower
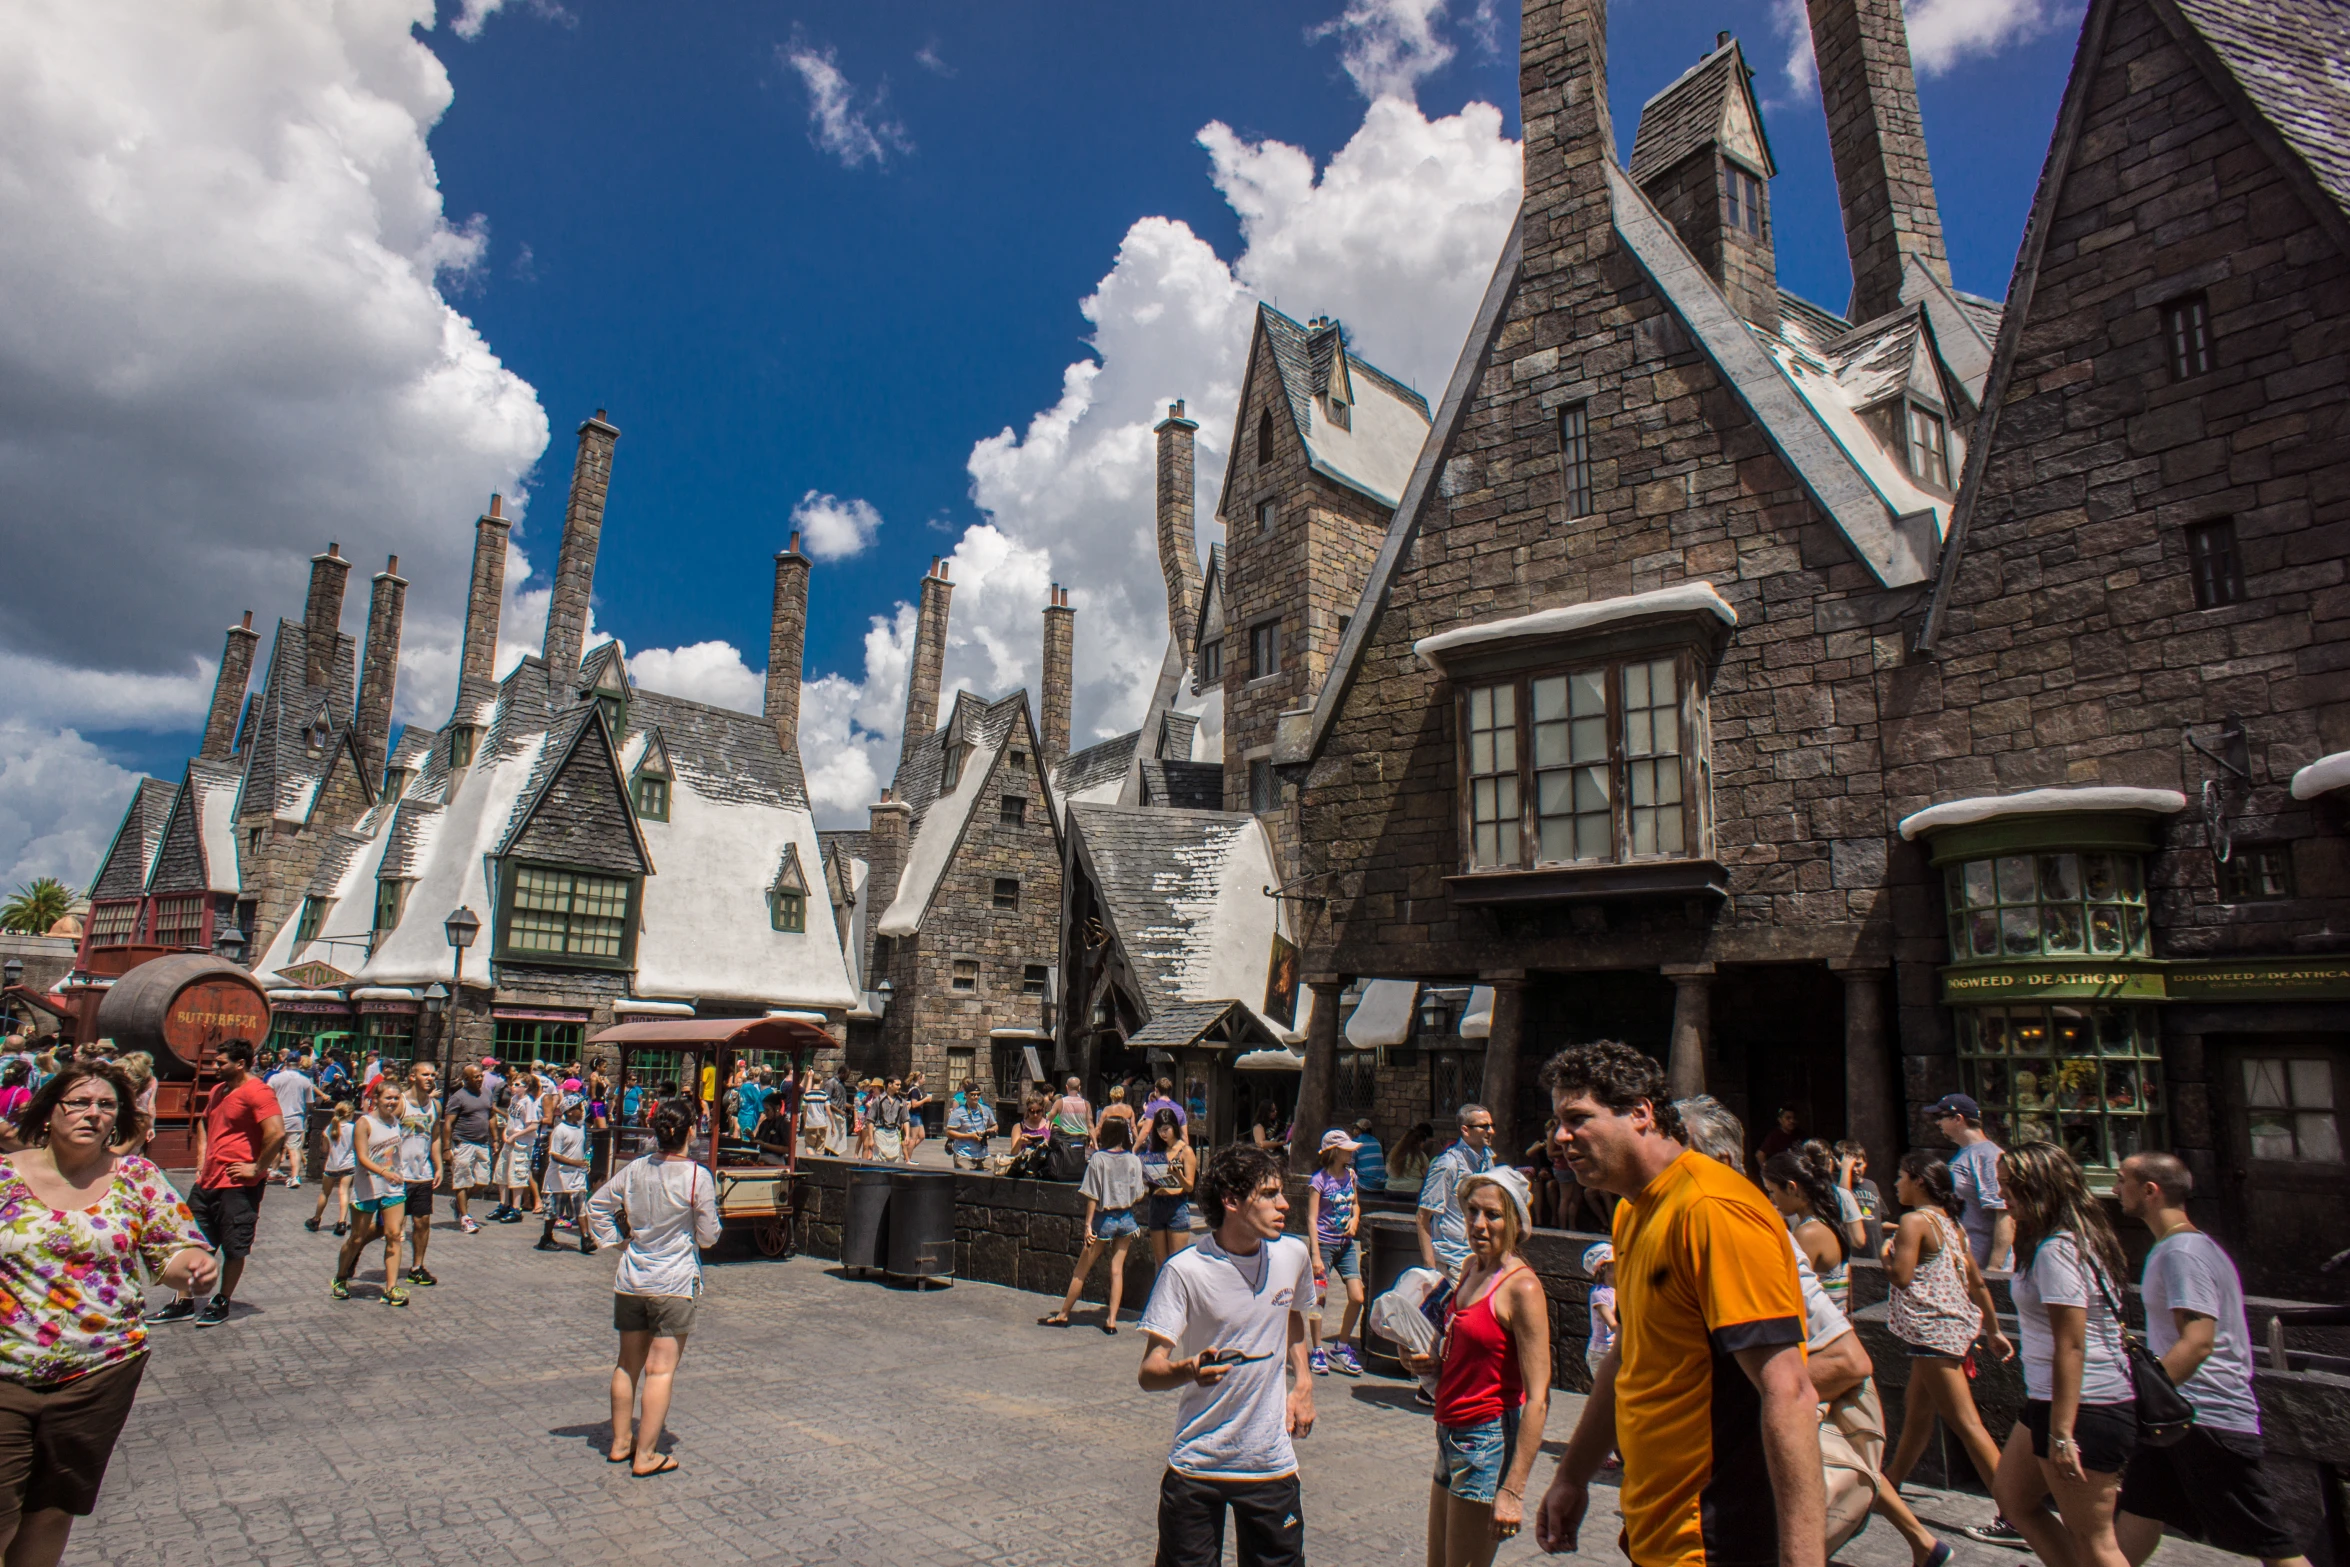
<point>228,691</point>
<point>930,653</point>
<point>1178,548</point>
<point>322,615</point>
<point>477,666</point>
<point>379,670</point>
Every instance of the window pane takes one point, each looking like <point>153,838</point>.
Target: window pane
<point>2318,1138</point>
<point>2313,1085</point>
<point>2105,930</point>
<point>1991,1034</point>
<point>2015,879</point>
<point>2019,932</point>
<point>2060,878</point>
<point>2264,1083</point>
<point>1980,893</point>
<point>2060,927</point>
<point>1550,698</point>
<point>1986,935</point>
<point>2272,1135</point>
<point>2097,879</point>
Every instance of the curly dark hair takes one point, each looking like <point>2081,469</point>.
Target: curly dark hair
<point>1933,1177</point>
<point>1616,1075</point>
<point>672,1125</point>
<point>32,1122</point>
<point>1232,1177</point>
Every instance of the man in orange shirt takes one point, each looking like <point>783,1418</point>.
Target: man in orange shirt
<point>1705,1394</point>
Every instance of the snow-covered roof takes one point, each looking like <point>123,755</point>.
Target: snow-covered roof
<point>1384,1014</point>
<point>215,786</point>
<point>1184,896</point>
<point>940,817</point>
<point>1283,1060</point>
<point>1477,1017</point>
<point>632,1008</point>
<point>1684,598</point>
<point>2041,802</point>
<point>1386,421</point>
<point>2321,776</point>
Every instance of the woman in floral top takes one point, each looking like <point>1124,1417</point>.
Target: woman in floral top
<point>79,1226</point>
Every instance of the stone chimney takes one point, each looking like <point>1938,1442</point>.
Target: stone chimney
<point>322,617</point>
<point>1562,96</point>
<point>575,565</point>
<point>787,641</point>
<point>379,670</point>
<point>930,656</point>
<point>1060,642</point>
<point>1178,550</point>
<point>477,667</point>
<point>228,691</point>
<point>885,861</point>
<point>1878,143</point>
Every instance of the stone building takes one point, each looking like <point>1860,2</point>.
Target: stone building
<point>628,853</point>
<point>1601,737</point>
<point>2122,879</point>
<point>950,900</point>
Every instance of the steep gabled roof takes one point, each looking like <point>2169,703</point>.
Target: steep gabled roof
<point>130,856</point>
<point>282,770</point>
<point>1386,423</point>
<point>2287,59</point>
<point>941,815</point>
<point>416,743</point>
<point>1096,772</point>
<point>1183,894</point>
<point>1711,103</point>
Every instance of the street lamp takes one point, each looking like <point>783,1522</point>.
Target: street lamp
<point>230,945</point>
<point>462,927</point>
<point>881,995</point>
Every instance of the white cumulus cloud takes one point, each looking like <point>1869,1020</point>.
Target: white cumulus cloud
<point>1396,234</point>
<point>834,529</point>
<point>711,672</point>
<point>1387,46</point>
<point>227,343</point>
<point>1943,34</point>
<point>856,133</point>
<point>60,801</point>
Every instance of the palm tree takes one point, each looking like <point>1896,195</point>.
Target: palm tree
<point>37,905</point>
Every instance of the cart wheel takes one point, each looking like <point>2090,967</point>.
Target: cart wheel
<point>772,1234</point>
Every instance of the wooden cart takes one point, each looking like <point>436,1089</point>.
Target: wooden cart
<point>757,1183</point>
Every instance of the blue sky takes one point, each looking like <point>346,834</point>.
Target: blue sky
<point>924,272</point>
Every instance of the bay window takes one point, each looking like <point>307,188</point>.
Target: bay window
<point>577,916</point>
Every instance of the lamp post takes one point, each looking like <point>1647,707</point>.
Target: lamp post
<point>14,970</point>
<point>462,927</point>
<point>230,945</point>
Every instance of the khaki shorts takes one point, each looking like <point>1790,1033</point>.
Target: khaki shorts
<point>663,1316</point>
<point>469,1166</point>
<point>514,1163</point>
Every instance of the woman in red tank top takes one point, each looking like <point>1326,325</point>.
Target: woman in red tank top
<point>1493,1381</point>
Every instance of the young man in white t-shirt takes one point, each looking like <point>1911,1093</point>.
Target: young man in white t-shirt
<point>1226,1324</point>
<point>2211,1486</point>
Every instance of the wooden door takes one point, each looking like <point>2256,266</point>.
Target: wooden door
<point>2285,1177</point>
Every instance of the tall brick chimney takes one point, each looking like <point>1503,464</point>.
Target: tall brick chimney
<point>575,564</point>
<point>930,656</point>
<point>1060,643</point>
<point>322,616</point>
<point>1178,550</point>
<point>1562,98</point>
<point>885,860</point>
<point>787,641</point>
<point>477,667</point>
<point>1878,142</point>
<point>379,670</point>
<point>228,691</point>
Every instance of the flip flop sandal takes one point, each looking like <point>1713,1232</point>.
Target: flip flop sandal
<point>666,1466</point>
<point>1055,1321</point>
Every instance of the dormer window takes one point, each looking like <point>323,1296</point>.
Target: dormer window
<point>652,798</point>
<point>1340,414</point>
<point>1929,447</point>
<point>462,738</point>
<point>950,770</point>
<point>787,896</point>
<point>315,740</point>
<point>396,782</point>
<point>390,898</point>
<point>1743,200</point>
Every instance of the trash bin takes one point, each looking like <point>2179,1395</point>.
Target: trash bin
<point>921,1224</point>
<point>1394,1250</point>
<point>864,1234</point>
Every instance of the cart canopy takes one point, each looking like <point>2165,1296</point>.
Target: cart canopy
<point>704,1033</point>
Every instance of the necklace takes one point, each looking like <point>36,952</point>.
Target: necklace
<point>1258,1282</point>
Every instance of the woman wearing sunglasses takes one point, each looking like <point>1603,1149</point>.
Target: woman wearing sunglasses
<point>82,1230</point>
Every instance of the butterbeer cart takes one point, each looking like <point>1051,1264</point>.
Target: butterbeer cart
<point>694,1057</point>
<point>181,1009</point>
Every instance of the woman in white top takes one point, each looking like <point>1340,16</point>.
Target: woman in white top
<point>1113,1188</point>
<point>334,1178</point>
<point>672,1209</point>
<point>2080,1419</point>
<point>518,1131</point>
<point>379,1194</point>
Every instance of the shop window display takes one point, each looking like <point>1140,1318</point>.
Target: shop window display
<point>2086,1077</point>
<point>2046,905</point>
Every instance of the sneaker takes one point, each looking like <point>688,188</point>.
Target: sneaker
<point>215,1312</point>
<point>421,1276</point>
<point>1997,1532</point>
<point>340,1289</point>
<point>311,1225</point>
<point>293,1186</point>
<point>587,1246</point>
<point>342,1229</point>
<point>511,1216</point>
<point>548,1243</point>
<point>177,1311</point>
<point>1320,1360</point>
<point>395,1297</point>
<point>1342,1361</point>
<point>469,1225</point>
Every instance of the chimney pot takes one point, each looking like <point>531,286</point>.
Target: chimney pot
<point>497,504</point>
<point>392,566</point>
<point>793,548</point>
<point>1176,410</point>
<point>599,413</point>
<point>248,621</point>
<point>334,550</point>
<point>1721,40</point>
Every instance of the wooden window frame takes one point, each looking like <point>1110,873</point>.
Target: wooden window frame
<point>1267,667</point>
<point>503,948</point>
<point>2186,337</point>
<point>2215,563</point>
<point>956,976</point>
<point>1211,661</point>
<point>1013,811</point>
<point>1914,452</point>
<point>115,923</point>
<point>1693,741</point>
<point>2234,887</point>
<point>1007,902</point>
<point>311,921</point>
<point>1036,979</point>
<point>169,920</point>
<point>787,910</point>
<point>464,740</point>
<point>1574,425</point>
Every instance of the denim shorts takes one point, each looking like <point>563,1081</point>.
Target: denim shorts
<point>1108,1226</point>
<point>1342,1259</point>
<point>1166,1213</point>
<point>1470,1460</point>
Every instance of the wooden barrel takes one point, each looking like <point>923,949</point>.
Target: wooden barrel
<point>181,1008</point>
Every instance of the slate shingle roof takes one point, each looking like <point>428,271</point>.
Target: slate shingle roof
<point>281,776</point>
<point>1185,786</point>
<point>1686,115</point>
<point>1162,876</point>
<point>1183,1023</point>
<point>1103,762</point>
<point>2292,58</point>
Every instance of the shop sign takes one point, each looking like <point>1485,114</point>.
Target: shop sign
<point>2261,979</point>
<point>1989,983</point>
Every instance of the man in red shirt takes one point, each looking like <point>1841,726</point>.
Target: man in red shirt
<point>236,1142</point>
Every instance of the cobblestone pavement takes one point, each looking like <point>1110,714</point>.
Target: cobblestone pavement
<point>819,1419</point>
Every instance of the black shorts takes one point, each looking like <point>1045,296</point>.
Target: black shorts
<point>227,1216</point>
<point>55,1441</point>
<point>2107,1434</point>
<point>2212,1488</point>
<point>1269,1517</point>
<point>419,1200</point>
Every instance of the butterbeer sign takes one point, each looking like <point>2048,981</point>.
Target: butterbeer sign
<point>203,1017</point>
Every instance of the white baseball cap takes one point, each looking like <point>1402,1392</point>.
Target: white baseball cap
<point>1336,1138</point>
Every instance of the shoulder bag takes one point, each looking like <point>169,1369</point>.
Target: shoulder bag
<point>2164,1415</point>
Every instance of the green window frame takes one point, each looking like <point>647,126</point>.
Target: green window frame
<point>313,919</point>
<point>652,797</point>
<point>391,896</point>
<point>392,1035</point>
<point>790,909</point>
<point>2046,905</point>
<point>2088,1077</point>
<point>462,739</point>
<point>562,914</point>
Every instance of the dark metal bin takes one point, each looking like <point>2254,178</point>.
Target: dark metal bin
<point>921,1224</point>
<point>1393,1249</point>
<point>864,1232</point>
